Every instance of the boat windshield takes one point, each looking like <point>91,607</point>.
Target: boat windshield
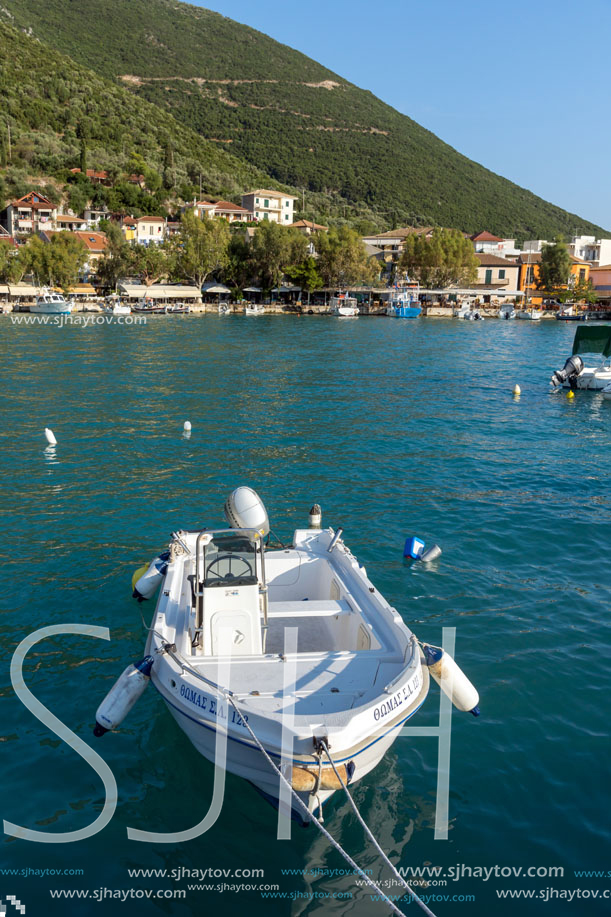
<point>230,560</point>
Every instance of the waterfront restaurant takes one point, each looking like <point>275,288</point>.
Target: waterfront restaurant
<point>164,293</point>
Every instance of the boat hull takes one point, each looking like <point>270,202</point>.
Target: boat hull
<point>52,309</point>
<point>356,752</point>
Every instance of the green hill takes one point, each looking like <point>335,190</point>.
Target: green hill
<point>282,112</point>
<point>51,105</point>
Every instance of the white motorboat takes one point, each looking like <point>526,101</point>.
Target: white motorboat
<point>595,341</point>
<point>49,302</point>
<point>344,305</point>
<point>289,651</point>
<point>114,306</point>
<point>468,313</point>
<point>254,308</point>
<point>507,311</point>
<point>530,314</point>
<point>224,308</point>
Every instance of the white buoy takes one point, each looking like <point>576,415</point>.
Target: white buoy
<point>50,436</point>
<point>187,426</point>
<point>123,695</point>
<point>315,517</point>
<point>517,390</point>
<point>451,679</point>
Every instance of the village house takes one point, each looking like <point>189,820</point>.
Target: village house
<point>601,278</point>
<point>93,215</point>
<point>27,215</point>
<point>391,245</point>
<point>69,222</point>
<point>589,248</point>
<point>493,245</point>
<point>226,210</point>
<point>269,205</point>
<point>149,230</point>
<point>497,272</point>
<point>307,228</point>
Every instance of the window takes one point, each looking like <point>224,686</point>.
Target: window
<point>286,216</point>
<point>582,273</point>
<point>266,216</point>
<point>266,203</point>
<point>256,200</point>
<point>502,274</point>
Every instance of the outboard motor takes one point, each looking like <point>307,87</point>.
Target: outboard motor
<point>244,509</point>
<point>569,373</point>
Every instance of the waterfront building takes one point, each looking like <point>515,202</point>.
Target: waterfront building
<point>270,205</point>
<point>530,264</point>
<point>496,271</point>
<point>94,242</point>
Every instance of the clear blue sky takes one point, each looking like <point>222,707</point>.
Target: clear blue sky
<point>524,89</point>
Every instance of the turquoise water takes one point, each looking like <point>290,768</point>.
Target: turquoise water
<point>396,428</point>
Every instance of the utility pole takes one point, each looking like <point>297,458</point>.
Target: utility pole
<point>8,127</point>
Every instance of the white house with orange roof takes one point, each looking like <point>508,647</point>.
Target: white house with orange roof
<point>95,243</point>
<point>27,215</point>
<point>270,205</point>
<point>226,210</point>
<point>149,230</point>
<point>489,244</point>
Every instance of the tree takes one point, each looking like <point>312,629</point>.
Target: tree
<point>56,263</point>
<point>83,156</point>
<point>306,275</point>
<point>8,262</point>
<point>274,249</point>
<point>201,247</point>
<point>238,268</point>
<point>116,261</point>
<point>446,259</point>
<point>584,291</point>
<point>343,259</point>
<point>150,262</point>
<point>555,266</point>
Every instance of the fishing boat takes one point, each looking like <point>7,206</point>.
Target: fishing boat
<point>113,306</point>
<point>404,302</point>
<point>570,313</point>
<point>507,311</point>
<point>254,308</point>
<point>288,652</point>
<point>593,341</point>
<point>344,305</point>
<point>149,307</point>
<point>49,302</point>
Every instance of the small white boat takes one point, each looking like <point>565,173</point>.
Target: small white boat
<point>590,340</point>
<point>51,303</point>
<point>507,312</point>
<point>530,315</point>
<point>178,308</point>
<point>287,649</point>
<point>345,305</point>
<point>468,313</point>
<point>254,308</point>
<point>113,306</point>
<point>224,308</point>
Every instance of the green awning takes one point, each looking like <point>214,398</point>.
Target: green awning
<point>593,339</point>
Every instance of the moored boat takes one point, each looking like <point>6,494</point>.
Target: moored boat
<point>49,302</point>
<point>344,305</point>
<point>113,306</point>
<point>404,302</point>
<point>286,652</point>
<point>530,314</point>
<point>592,340</point>
<point>254,308</point>
<point>149,307</point>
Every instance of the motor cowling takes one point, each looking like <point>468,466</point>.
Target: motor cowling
<point>244,509</point>
<point>570,371</point>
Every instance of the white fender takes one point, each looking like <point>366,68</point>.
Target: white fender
<point>451,679</point>
<point>146,586</point>
<point>123,695</point>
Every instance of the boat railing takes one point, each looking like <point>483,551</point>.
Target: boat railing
<point>253,535</point>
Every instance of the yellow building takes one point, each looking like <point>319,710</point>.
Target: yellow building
<point>530,268</point>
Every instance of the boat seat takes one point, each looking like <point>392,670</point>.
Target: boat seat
<point>308,609</point>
